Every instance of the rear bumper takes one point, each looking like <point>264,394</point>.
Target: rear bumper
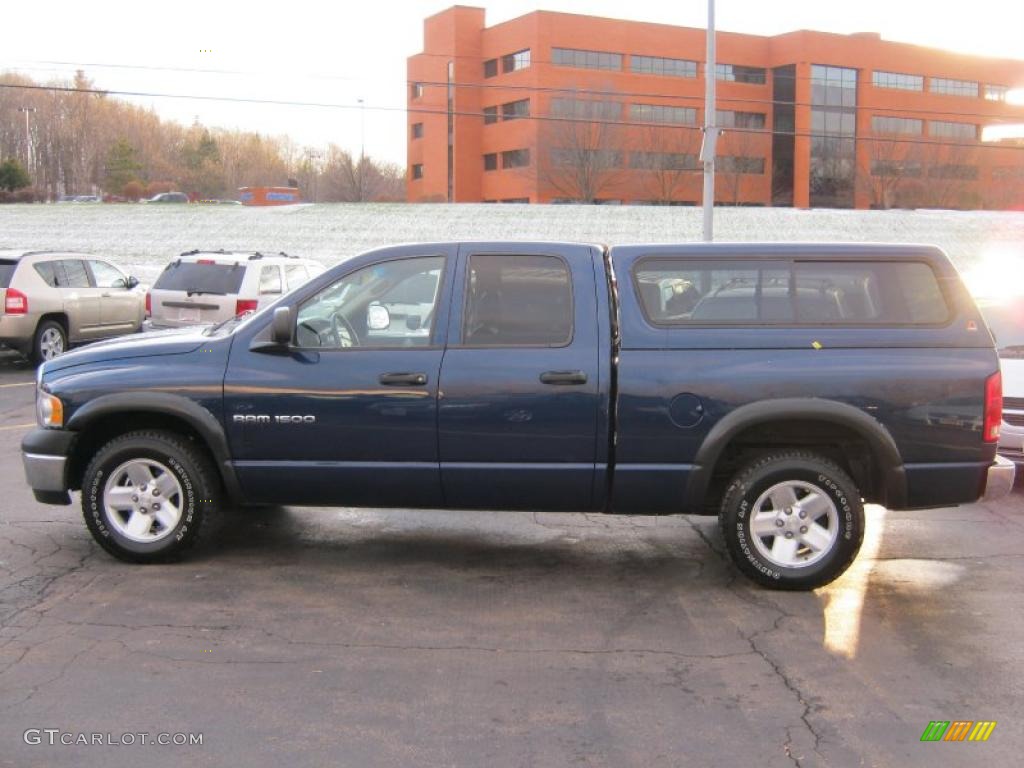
<point>999,481</point>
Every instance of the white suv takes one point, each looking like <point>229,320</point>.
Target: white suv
<point>1005,319</point>
<point>210,286</point>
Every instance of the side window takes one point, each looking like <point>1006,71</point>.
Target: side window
<point>391,304</point>
<point>51,272</point>
<point>517,301</point>
<point>270,280</point>
<point>679,292</point>
<point>295,275</point>
<point>77,276</point>
<point>869,292</point>
<point>107,275</point>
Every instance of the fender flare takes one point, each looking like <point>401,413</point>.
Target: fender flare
<point>196,416</point>
<point>883,448</point>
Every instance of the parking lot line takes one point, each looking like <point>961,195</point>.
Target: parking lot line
<point>18,384</point>
<point>17,426</point>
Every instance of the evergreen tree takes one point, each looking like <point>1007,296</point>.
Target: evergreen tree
<point>13,176</point>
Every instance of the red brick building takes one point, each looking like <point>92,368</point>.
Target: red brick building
<point>553,107</point>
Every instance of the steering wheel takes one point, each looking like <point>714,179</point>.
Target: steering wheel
<point>343,331</point>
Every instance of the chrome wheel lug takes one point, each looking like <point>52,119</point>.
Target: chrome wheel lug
<point>802,514</point>
<point>156,492</point>
<point>789,534</point>
<point>135,498</point>
<point>779,523</point>
<point>789,510</point>
<point>803,529</point>
<point>156,507</point>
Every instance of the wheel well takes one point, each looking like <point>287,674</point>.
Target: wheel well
<point>106,428</point>
<point>58,317</point>
<point>841,444</point>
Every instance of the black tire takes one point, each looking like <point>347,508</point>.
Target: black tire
<point>801,468</point>
<point>198,497</point>
<point>40,353</point>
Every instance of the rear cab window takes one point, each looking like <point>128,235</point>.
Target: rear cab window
<point>780,292</point>
<point>201,277</point>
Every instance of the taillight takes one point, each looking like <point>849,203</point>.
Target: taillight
<point>993,407</point>
<point>205,261</point>
<point>149,305</point>
<point>16,302</point>
<point>245,305</point>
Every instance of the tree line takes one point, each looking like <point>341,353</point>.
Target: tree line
<point>84,142</point>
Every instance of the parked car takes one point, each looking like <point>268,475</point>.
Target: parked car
<point>53,299</point>
<point>168,197</point>
<point>211,286</point>
<point>541,376</point>
<point>1005,319</point>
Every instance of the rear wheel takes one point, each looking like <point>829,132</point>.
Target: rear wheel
<point>51,340</point>
<point>146,495</point>
<point>792,520</point>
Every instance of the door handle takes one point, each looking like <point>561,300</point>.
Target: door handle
<point>403,379</point>
<point>563,377</point>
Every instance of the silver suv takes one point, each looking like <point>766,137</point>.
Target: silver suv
<point>52,299</point>
<point>210,286</point>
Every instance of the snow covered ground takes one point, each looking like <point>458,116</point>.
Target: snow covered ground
<point>144,238</point>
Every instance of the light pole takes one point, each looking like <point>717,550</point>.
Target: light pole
<point>28,138</point>
<point>711,131</point>
<point>362,146</point>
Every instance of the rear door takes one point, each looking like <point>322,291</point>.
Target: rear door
<point>192,292</point>
<point>81,300</point>
<point>519,400</point>
<point>119,305</point>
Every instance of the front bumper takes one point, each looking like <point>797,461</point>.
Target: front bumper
<point>999,482</point>
<point>44,454</point>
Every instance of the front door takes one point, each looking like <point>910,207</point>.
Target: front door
<point>119,305</point>
<point>348,416</point>
<point>519,400</point>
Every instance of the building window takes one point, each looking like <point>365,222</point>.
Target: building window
<point>491,161</point>
<point>664,161</point>
<point>953,87</point>
<point>515,158</point>
<point>513,62</point>
<point>490,115</point>
<point>516,200</point>
<point>729,119</point>
<point>571,57</point>
<point>944,129</point>
<point>417,130</point>
<point>491,68</point>
<point>1008,172</point>
<point>954,171</point>
<point>883,125</point>
<point>417,171</point>
<point>416,90</point>
<point>657,65</point>
<point>996,92</point>
<point>660,113</point>
<point>575,157</point>
<point>833,132</point>
<point>897,81</point>
<point>515,109</point>
<point>586,109</point>
<point>738,74</point>
<point>739,164</point>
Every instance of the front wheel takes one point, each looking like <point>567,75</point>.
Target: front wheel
<point>792,520</point>
<point>147,494</point>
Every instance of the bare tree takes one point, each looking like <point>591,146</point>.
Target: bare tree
<point>667,159</point>
<point>742,152</point>
<point>951,170</point>
<point>890,171</point>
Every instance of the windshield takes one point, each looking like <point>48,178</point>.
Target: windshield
<point>1006,321</point>
<point>199,277</point>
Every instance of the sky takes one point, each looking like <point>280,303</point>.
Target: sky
<point>337,53</point>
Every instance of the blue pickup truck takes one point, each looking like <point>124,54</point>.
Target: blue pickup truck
<point>777,386</point>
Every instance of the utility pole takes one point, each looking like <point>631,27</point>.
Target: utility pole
<point>711,131</point>
<point>28,138</point>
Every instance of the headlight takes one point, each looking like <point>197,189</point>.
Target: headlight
<point>49,410</point>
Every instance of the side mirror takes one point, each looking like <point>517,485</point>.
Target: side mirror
<point>378,318</point>
<point>281,326</point>
<point>131,282</point>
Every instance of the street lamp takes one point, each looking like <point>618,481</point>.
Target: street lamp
<point>362,148</point>
<point>28,138</point>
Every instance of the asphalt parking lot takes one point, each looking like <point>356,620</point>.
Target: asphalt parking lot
<point>360,637</point>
